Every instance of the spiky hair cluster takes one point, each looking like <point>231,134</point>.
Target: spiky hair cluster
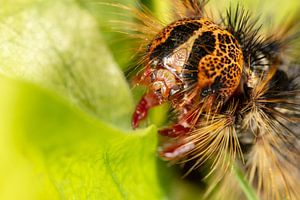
<point>257,129</point>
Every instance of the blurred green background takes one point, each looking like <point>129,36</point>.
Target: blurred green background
<point>65,104</point>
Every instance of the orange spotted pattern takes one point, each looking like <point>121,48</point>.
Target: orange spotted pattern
<point>213,53</point>
<point>222,68</point>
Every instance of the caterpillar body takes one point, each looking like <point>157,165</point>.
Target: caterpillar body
<point>233,89</point>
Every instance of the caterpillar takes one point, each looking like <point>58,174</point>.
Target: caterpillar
<point>233,89</point>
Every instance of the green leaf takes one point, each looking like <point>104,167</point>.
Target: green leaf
<point>57,44</point>
<point>50,150</point>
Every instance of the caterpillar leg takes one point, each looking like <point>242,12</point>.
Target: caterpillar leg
<point>175,130</point>
<point>176,150</point>
<point>148,101</point>
<point>187,120</point>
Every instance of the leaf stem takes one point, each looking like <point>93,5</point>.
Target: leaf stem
<point>244,184</point>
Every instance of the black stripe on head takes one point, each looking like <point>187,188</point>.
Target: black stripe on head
<point>203,45</point>
<point>178,36</point>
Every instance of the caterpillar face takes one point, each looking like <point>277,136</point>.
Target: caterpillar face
<point>196,53</point>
